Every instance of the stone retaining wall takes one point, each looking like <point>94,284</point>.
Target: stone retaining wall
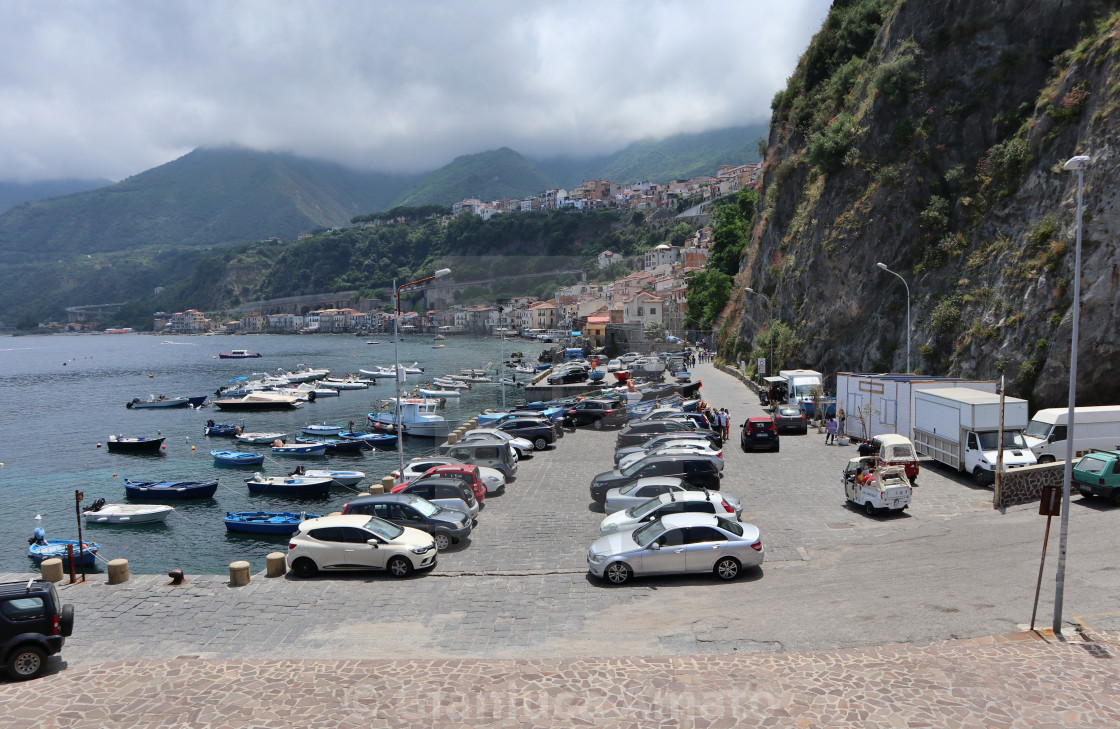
<point>1023,485</point>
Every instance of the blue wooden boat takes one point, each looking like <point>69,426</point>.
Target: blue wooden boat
<point>265,522</point>
<point>237,458</point>
<point>170,489</point>
<point>300,450</point>
<point>212,428</point>
<point>40,548</point>
<point>372,439</point>
<point>596,375</point>
<point>337,445</point>
<point>197,402</point>
<point>289,485</point>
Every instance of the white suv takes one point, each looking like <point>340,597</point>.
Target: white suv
<point>359,542</point>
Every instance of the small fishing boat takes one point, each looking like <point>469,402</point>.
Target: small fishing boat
<point>431,392</point>
<point>170,489</point>
<point>303,373</point>
<point>216,429</point>
<point>288,485</point>
<point>373,341</point>
<point>266,522</point>
<point>130,444</point>
<point>449,384</point>
<point>337,445</point>
<point>622,375</point>
<point>40,548</point>
<point>257,400</point>
<point>300,450</point>
<point>525,369</point>
<point>238,354</point>
<point>101,513</point>
<point>157,402</point>
<point>323,429</point>
<point>237,458</point>
<point>371,439</point>
<point>438,346</point>
<point>259,438</point>
<point>413,369</point>
<point>506,381</point>
<point>345,479</point>
<point>418,417</point>
<point>344,383</point>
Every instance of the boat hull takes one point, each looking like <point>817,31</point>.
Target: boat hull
<point>126,514</point>
<point>263,522</point>
<point>57,548</point>
<point>237,458</point>
<point>301,450</point>
<point>290,486</point>
<point>134,445</point>
<point>170,489</point>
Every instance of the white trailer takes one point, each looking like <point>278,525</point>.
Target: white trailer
<point>882,404</point>
<point>959,427</point>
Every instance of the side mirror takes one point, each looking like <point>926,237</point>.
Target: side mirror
<point>655,546</point>
<point>372,542</point>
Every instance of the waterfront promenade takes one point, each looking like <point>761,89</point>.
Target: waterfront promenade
<point>902,621</point>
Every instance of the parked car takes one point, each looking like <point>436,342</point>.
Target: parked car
<point>640,432</point>
<point>523,447</point>
<point>671,502</point>
<point>468,473</point>
<point>541,433</point>
<point>34,624</point>
<point>883,489</point>
<point>489,452</point>
<point>676,438</point>
<point>699,471</point>
<point>359,542</point>
<point>677,543</point>
<point>695,448</point>
<point>791,417</point>
<point>449,493</point>
<point>493,479</point>
<point>597,412</point>
<point>896,450</point>
<point>447,527</point>
<point>567,375</point>
<point>638,492</point>
<point>1097,473</point>
<point>614,365</point>
<point>759,432</point>
<point>629,357</point>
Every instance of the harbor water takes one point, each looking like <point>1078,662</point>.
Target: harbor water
<point>63,395</point>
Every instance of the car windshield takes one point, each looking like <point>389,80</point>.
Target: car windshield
<point>633,468</point>
<point>1089,464</point>
<point>425,507</point>
<point>646,534</point>
<point>790,411</point>
<point>383,529</point>
<point>727,525</point>
<point>1038,429</point>
<point>1011,439</point>
<point>645,508</point>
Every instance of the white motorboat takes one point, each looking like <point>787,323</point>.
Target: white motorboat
<point>418,417</point>
<point>449,384</point>
<point>432,392</point>
<point>347,479</point>
<point>413,369</point>
<point>258,400</point>
<point>102,513</point>
<point>304,373</point>
<point>343,383</point>
<point>259,437</point>
<point>378,373</point>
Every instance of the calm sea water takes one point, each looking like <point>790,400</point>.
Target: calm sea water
<point>63,395</point>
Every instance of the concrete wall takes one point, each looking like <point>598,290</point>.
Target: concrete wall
<point>1023,485</point>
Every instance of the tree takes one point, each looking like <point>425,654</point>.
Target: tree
<point>708,291</point>
<point>654,330</point>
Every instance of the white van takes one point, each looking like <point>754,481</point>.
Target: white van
<point>1093,427</point>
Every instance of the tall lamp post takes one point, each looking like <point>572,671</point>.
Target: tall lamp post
<point>770,305</point>
<point>1079,163</point>
<point>900,278</point>
<point>398,374</point>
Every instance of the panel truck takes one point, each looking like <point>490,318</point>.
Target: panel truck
<point>960,427</point>
<point>799,386</point>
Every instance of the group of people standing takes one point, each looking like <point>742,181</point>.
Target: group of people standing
<point>719,419</point>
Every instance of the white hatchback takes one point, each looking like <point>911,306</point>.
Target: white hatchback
<point>359,542</point>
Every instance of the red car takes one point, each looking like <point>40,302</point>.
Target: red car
<point>759,432</point>
<point>465,472</point>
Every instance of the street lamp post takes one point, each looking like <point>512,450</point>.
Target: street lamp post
<point>770,305</point>
<point>1079,163</point>
<point>398,375</point>
<point>900,278</point>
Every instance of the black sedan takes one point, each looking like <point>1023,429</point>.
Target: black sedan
<point>568,375</point>
<point>541,432</point>
<point>700,472</point>
<point>596,412</point>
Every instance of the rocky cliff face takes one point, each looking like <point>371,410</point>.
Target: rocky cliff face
<point>930,136</point>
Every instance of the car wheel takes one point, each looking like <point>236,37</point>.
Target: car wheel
<point>1115,500</point>
<point>26,662</point>
<point>978,476</point>
<point>869,508</point>
<point>777,447</point>
<point>66,621</point>
<point>599,424</point>
<point>1046,459</point>
<point>304,567</point>
<point>540,444</point>
<point>400,566</point>
<point>727,568</point>
<point>743,445</point>
<point>443,541</point>
<point>618,573</point>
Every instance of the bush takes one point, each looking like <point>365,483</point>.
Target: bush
<point>946,315</point>
<point>829,149</point>
<point>896,79</point>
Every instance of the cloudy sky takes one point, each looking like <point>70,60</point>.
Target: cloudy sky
<point>110,88</point>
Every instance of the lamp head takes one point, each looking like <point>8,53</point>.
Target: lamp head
<point>441,272</point>
<point>1079,162</point>
<point>882,266</point>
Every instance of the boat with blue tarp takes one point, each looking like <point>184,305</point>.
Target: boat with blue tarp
<point>266,522</point>
<point>237,458</point>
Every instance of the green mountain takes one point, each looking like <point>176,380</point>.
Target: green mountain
<point>14,193</point>
<point>494,175</point>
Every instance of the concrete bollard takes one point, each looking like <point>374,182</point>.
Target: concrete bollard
<point>275,565</point>
<point>118,571</point>
<point>239,573</point>
<point>452,439</point>
<point>52,569</point>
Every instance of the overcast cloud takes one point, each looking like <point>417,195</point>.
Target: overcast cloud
<point>110,88</point>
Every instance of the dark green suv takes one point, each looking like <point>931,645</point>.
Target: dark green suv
<point>1098,474</point>
<point>33,625</point>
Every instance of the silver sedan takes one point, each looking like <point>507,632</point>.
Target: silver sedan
<point>686,543</point>
<point>674,502</point>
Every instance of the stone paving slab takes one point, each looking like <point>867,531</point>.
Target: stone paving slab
<point>1016,680</point>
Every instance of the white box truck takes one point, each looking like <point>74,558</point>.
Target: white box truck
<point>799,385</point>
<point>1093,427</point>
<point>959,427</point>
<point>883,403</point>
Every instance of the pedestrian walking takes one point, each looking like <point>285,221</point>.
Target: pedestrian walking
<point>726,423</point>
<point>830,431</point>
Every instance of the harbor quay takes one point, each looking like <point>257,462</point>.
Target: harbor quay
<point>903,620</point>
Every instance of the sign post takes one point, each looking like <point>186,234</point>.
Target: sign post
<point>1049,506</point>
<point>762,366</point>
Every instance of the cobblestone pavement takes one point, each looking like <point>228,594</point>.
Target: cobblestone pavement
<point>1018,680</point>
<point>513,615</point>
